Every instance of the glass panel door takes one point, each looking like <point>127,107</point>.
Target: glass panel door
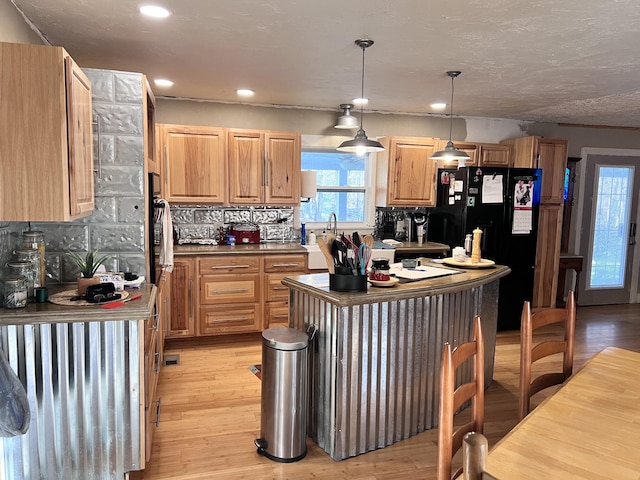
<point>609,213</point>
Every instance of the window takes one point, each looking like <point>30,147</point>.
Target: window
<point>611,226</point>
<point>342,179</point>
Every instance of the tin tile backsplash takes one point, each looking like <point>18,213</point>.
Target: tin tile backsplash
<point>202,222</point>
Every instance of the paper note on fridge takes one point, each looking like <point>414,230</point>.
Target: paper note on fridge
<point>492,189</point>
<point>522,221</point>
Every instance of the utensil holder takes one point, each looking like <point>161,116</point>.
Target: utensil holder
<point>347,283</point>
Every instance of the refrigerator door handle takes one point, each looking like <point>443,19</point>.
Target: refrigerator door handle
<point>632,234</point>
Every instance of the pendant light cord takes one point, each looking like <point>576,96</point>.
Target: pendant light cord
<point>451,111</point>
<point>364,47</point>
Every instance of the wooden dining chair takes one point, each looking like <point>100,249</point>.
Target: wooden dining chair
<point>529,354</point>
<point>452,398</point>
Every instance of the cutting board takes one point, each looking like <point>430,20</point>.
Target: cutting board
<point>419,273</point>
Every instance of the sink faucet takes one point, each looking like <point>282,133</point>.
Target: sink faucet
<point>334,228</point>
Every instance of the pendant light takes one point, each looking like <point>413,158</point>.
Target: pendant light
<point>361,144</point>
<point>450,153</point>
<point>346,120</point>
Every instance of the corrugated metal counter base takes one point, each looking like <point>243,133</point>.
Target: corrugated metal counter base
<point>375,367</point>
<point>82,381</point>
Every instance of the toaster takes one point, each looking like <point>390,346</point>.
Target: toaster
<point>245,233</point>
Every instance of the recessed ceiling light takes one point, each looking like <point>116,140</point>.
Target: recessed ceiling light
<point>438,107</point>
<point>245,92</point>
<point>360,101</point>
<point>154,11</point>
<point>163,82</point>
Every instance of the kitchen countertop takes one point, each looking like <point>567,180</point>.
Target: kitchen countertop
<point>318,285</point>
<point>49,313</point>
<point>241,249</point>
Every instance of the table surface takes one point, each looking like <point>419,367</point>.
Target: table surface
<point>588,429</point>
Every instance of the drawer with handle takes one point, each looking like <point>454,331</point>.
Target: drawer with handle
<point>224,264</point>
<point>275,290</point>
<point>223,319</point>
<point>216,289</point>
<point>285,263</point>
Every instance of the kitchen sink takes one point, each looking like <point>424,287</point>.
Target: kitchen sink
<point>316,260</point>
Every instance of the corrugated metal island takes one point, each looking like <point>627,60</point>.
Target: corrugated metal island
<point>375,365</point>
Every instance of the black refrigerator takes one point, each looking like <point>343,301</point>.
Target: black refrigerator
<point>504,204</point>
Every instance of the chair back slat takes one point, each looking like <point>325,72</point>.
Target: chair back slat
<point>452,398</point>
<point>530,354</point>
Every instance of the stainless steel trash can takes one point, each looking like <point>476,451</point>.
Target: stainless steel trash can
<point>283,421</point>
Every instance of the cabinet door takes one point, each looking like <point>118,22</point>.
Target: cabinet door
<point>493,155</point>
<point>411,173</point>
<point>183,299</point>
<point>522,151</point>
<point>246,167</point>
<point>194,164</point>
<point>470,149</point>
<point>282,163</point>
<point>80,140</point>
<point>149,125</point>
<point>547,256</point>
<point>552,158</point>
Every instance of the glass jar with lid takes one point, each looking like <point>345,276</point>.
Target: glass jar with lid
<point>14,292</point>
<point>25,270</point>
<point>35,239</point>
<point>31,255</point>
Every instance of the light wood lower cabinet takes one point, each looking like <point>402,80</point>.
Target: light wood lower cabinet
<point>183,299</point>
<point>153,350</point>
<point>276,295</point>
<point>547,256</point>
<point>233,293</point>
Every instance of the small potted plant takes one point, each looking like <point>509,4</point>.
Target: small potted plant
<point>88,266</point>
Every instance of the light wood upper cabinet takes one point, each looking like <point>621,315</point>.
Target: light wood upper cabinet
<point>246,166</point>
<point>549,154</point>
<point>193,164</point>
<point>149,125</point>
<point>283,161</point>
<point>494,155</point>
<point>405,173</point>
<point>480,154</point>
<point>264,167</point>
<point>46,145</point>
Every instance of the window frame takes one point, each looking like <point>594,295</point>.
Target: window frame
<point>368,189</point>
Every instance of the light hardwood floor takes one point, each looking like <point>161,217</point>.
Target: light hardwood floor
<point>211,409</point>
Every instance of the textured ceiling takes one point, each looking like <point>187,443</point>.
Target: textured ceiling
<point>571,61</point>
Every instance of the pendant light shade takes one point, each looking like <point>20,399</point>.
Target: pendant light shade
<point>450,152</point>
<point>346,120</point>
<point>361,144</point>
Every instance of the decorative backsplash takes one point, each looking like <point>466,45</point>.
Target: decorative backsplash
<point>192,223</point>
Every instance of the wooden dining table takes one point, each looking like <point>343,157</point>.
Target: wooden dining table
<point>588,429</point>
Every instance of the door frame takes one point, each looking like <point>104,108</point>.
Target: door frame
<point>634,296</point>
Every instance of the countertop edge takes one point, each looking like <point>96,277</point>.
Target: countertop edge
<point>48,313</point>
<point>466,279</point>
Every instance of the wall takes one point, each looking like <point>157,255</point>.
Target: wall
<point>13,27</point>
<point>320,122</point>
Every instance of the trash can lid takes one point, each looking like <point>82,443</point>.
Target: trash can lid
<point>284,338</point>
